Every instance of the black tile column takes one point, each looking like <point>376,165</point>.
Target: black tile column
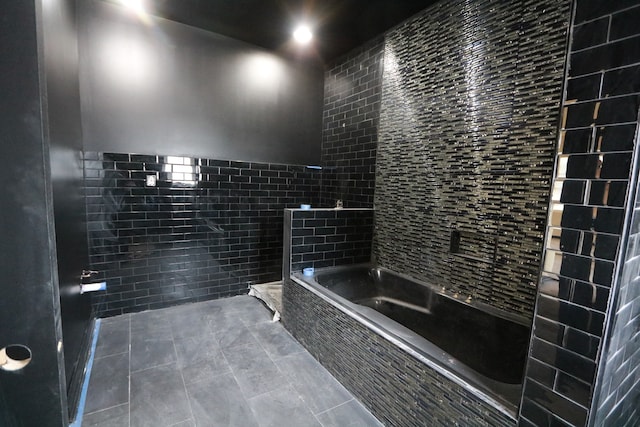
<point>585,312</point>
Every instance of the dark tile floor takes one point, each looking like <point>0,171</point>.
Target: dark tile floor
<point>217,363</point>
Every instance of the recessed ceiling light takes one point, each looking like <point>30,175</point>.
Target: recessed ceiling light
<point>136,5</point>
<point>302,34</point>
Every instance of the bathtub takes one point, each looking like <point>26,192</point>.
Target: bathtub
<point>479,348</point>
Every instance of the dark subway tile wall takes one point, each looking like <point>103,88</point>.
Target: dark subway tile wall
<point>594,160</point>
<point>351,114</point>
<point>397,388</point>
<point>207,229</point>
<point>330,237</point>
<point>466,144</point>
<point>618,392</point>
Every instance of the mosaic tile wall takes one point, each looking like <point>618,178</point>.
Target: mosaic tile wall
<point>350,126</point>
<point>594,159</point>
<point>329,237</point>
<point>469,112</point>
<point>205,231</point>
<point>397,388</point>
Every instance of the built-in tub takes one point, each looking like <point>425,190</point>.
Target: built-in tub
<point>481,348</point>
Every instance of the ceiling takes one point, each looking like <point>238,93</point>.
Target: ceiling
<point>339,25</point>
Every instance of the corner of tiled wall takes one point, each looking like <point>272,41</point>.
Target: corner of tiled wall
<point>593,188</point>
<point>350,126</point>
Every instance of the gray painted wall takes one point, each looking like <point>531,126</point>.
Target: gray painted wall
<point>166,88</point>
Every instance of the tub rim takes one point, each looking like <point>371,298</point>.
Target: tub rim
<point>415,345</point>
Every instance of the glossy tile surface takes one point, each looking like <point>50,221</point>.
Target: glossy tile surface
<point>203,231</point>
<point>216,363</point>
<point>571,380</point>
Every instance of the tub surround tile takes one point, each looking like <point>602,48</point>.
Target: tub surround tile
<point>621,81</point>
<point>397,388</point>
<point>604,57</point>
<point>566,361</point>
<point>351,115</point>
<point>534,415</point>
<point>590,34</point>
<point>472,155</point>
<point>329,237</point>
<point>566,410</point>
<point>594,9</point>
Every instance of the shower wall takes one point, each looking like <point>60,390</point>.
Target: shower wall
<point>350,122</point>
<point>470,100</point>
<point>206,230</point>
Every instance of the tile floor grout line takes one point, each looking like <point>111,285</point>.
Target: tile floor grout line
<point>235,378</point>
<point>286,377</point>
<point>110,355</point>
<point>337,406</point>
<point>268,356</point>
<point>180,422</point>
<point>104,409</point>
<point>184,384</point>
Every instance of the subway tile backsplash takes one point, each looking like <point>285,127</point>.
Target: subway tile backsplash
<point>207,229</point>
